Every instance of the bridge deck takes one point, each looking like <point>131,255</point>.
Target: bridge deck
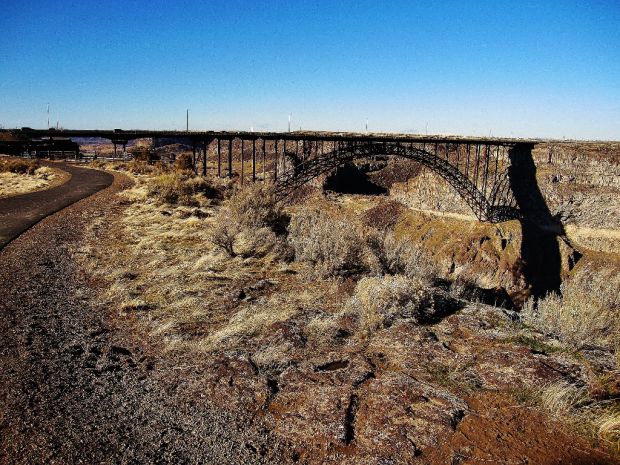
<point>115,134</point>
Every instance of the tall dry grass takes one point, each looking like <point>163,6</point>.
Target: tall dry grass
<point>177,188</point>
<point>573,405</point>
<point>23,176</point>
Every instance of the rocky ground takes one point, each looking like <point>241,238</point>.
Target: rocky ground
<point>132,338</point>
<point>261,336</point>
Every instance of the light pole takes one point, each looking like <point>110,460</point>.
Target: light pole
<point>48,116</point>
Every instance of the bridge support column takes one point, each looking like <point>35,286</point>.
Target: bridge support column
<point>264,160</point>
<point>242,149</point>
<point>204,158</point>
<point>253,160</point>
<point>219,159</point>
<point>275,166</point>
<point>194,155</point>
<point>230,160</point>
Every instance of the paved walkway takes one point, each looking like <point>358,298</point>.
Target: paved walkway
<point>21,212</point>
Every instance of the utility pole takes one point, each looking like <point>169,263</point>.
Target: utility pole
<point>366,125</point>
<point>289,121</point>
<point>187,120</point>
<point>48,115</point>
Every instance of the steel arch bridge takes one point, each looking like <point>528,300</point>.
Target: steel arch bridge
<point>479,173</point>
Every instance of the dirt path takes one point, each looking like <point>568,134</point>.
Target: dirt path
<point>72,390</point>
<point>18,213</point>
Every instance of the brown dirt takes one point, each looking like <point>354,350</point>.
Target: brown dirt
<point>499,431</point>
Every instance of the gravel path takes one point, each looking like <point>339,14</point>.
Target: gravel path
<point>20,212</point>
<point>72,390</point>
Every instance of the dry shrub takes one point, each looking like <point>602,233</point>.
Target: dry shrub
<point>184,162</point>
<point>400,256</point>
<point>254,207</point>
<point>140,167</point>
<point>250,223</point>
<point>19,166</point>
<point>587,312</point>
<point>332,246</point>
<point>98,164</point>
<point>45,173</point>
<point>379,301</point>
<point>385,215</point>
<point>177,187</point>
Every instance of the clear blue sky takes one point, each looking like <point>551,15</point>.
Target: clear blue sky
<point>521,68</point>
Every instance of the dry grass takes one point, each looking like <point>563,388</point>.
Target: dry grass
<point>20,180</point>
<point>184,290</point>
<point>587,313</point>
<point>573,405</point>
<point>390,255</point>
<point>609,428</point>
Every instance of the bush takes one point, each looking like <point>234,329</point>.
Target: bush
<point>184,162</point>
<point>331,245</point>
<point>397,256</point>
<point>141,153</point>
<point>176,188</point>
<point>379,301</point>
<point>224,234</point>
<point>255,207</point>
<point>19,166</point>
<point>384,216</point>
<point>140,167</point>
<point>587,311</point>
<point>250,223</point>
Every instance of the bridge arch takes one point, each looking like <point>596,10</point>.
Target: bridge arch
<point>493,208</point>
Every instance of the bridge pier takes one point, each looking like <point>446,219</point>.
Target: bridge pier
<point>194,155</point>
<point>230,159</point>
<point>219,159</point>
<point>275,166</point>
<point>204,157</point>
<point>253,160</point>
<point>264,160</point>
<point>242,148</point>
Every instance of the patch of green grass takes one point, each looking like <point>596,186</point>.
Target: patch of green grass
<point>534,344</point>
<point>457,378</point>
